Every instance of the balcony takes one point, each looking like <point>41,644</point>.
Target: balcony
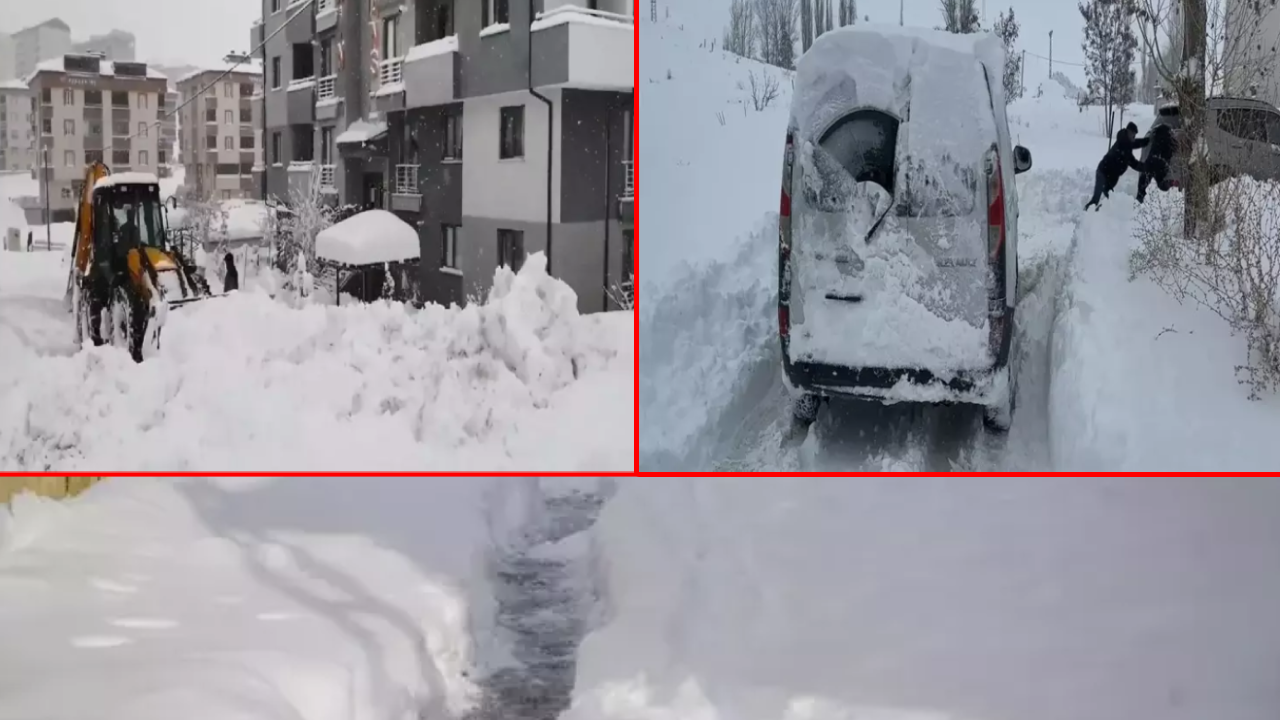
<point>328,178</point>
<point>389,97</point>
<point>390,72</point>
<point>432,73</point>
<point>327,100</point>
<point>326,15</point>
<point>577,47</point>
<point>300,108</point>
<point>405,195</point>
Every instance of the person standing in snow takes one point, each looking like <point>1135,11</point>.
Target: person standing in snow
<point>1157,165</point>
<point>232,279</point>
<point>1118,159</point>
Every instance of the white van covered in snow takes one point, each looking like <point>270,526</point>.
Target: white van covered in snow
<point>897,252</point>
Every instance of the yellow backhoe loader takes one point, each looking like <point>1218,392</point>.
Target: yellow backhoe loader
<point>123,264</point>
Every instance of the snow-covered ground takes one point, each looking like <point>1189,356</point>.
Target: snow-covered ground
<point>1097,389</point>
<point>247,382</point>
<point>288,599</point>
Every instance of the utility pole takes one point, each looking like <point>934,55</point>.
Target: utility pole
<point>1050,54</point>
<point>48,223</point>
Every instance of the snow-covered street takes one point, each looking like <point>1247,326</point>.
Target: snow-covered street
<point>1112,374</point>
<point>250,383</point>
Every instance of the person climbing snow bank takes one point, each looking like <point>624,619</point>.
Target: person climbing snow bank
<point>1157,165</point>
<point>1112,166</point>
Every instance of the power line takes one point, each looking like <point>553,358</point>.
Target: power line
<point>306,4</point>
<point>1056,61</point>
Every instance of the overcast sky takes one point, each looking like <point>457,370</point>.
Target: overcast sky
<point>1036,18</point>
<point>194,31</point>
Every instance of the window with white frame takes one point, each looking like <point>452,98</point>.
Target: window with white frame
<point>227,90</point>
<point>143,129</point>
<point>390,37</point>
<point>144,158</point>
<point>511,129</point>
<point>229,117</point>
<point>326,146</point>
<point>228,143</point>
<point>143,103</point>
<point>69,158</point>
<point>453,137</point>
<point>68,97</point>
<point>68,127</point>
<point>495,12</point>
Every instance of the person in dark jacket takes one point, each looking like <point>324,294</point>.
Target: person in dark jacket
<point>1118,159</point>
<point>1157,164</point>
<point>232,280</point>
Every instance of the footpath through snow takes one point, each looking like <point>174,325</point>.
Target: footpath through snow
<point>520,382</point>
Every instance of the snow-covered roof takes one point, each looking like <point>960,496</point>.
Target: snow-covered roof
<point>13,85</point>
<point>362,131</point>
<point>442,46</point>
<point>105,68</point>
<point>373,236</point>
<point>127,178</point>
<point>250,67</point>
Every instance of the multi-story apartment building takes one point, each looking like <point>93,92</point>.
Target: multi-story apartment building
<point>92,109</point>
<point>168,150</point>
<point>498,127</point>
<point>221,140</point>
<point>1250,49</point>
<point>46,41</point>
<point>116,46</point>
<point>16,121</point>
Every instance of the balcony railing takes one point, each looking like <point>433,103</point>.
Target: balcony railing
<point>578,10</point>
<point>324,6</point>
<point>327,88</point>
<point>406,180</point>
<point>629,184</point>
<point>391,71</point>
<point>328,174</point>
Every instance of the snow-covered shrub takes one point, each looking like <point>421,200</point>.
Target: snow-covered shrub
<point>1235,272</point>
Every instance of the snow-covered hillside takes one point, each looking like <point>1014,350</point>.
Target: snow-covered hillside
<point>711,389</point>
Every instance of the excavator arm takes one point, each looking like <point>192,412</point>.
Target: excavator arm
<point>84,219</point>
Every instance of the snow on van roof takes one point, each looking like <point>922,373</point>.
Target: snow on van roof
<point>931,79</point>
<point>126,178</point>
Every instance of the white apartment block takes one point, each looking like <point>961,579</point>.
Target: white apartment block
<point>1252,31</point>
<point>220,131</point>
<point>8,62</point>
<point>17,119</point>
<point>46,41</point>
<point>116,46</point>
<point>91,109</point>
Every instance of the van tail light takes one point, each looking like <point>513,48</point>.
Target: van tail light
<point>784,240</point>
<point>996,235</point>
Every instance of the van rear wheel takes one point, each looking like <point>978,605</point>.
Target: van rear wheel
<point>998,415</point>
<point>804,408</point>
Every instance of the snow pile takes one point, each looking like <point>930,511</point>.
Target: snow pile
<point>1141,382</point>
<point>521,382</point>
<point>373,236</point>
<point>362,131</point>
<point>296,599</point>
<point>844,598</point>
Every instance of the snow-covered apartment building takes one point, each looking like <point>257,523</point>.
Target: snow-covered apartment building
<point>92,109</point>
<point>221,141</point>
<point>17,117</point>
<point>1252,30</point>
<point>498,127</point>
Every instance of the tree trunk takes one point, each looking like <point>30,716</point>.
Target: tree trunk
<point>806,25</point>
<point>1191,102</point>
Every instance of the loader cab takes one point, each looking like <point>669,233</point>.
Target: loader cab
<point>128,216</point>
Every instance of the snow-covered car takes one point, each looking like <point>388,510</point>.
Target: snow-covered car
<point>1242,137</point>
<point>897,254</point>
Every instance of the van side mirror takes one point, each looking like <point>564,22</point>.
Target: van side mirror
<point>1021,159</point>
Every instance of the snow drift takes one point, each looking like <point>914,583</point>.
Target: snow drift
<point>521,382</point>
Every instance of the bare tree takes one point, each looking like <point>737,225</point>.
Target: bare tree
<point>806,25</point>
<point>848,12</point>
<point>740,35</point>
<point>776,31</point>
<point>764,87</point>
<point>1109,47</point>
<point>960,16</point>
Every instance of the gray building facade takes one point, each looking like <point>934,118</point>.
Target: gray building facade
<point>458,115</point>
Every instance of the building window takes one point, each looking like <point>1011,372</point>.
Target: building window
<point>275,148</point>
<point>511,249</point>
<point>246,89</point>
<point>449,259</point>
<point>246,142</point>
<point>246,117</point>
<point>66,193</point>
<point>162,157</point>
<point>93,98</point>
<point>143,129</point>
<point>275,73</point>
<point>326,146</point>
<point>210,142</point>
<point>92,156</point>
<point>390,39</point>
<point>68,97</point>
<point>228,90</point>
<point>120,128</point>
<point>144,158</point>
<point>229,117</point>
<point>46,96</point>
<point>512,130</point>
<point>119,98</point>
<point>453,137</point>
<point>326,57</point>
<point>228,143</point>
<point>275,6</point>
<point>496,12</point>
<point>68,127</point>
<point>120,157</point>
<point>69,158</point>
<point>46,126</point>
<point>142,101</point>
<point>93,128</point>
<point>434,25</point>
